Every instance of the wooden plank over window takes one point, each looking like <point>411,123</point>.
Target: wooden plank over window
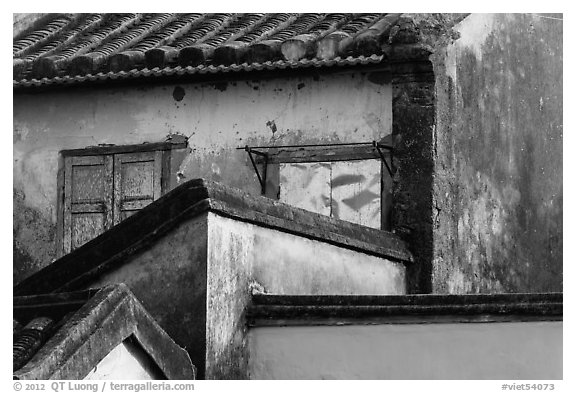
<point>88,201</point>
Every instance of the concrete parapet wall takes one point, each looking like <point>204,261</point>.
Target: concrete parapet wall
<point>511,350</point>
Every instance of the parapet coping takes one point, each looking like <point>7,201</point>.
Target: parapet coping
<point>190,200</point>
<point>288,310</point>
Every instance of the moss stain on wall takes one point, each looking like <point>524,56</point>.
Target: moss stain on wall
<point>498,154</point>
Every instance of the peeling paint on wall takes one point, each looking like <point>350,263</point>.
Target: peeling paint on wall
<point>217,118</point>
<point>498,157</point>
<point>34,239</point>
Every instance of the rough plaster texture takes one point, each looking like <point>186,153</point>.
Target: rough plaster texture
<point>498,156</point>
<point>413,126</point>
<point>511,350</point>
<point>242,256</point>
<point>196,281</point>
<point>217,117</point>
<point>169,279</point>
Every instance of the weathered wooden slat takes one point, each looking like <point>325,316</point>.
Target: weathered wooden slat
<point>95,207</point>
<point>135,204</point>
<point>87,199</point>
<point>320,154</point>
<point>137,176</point>
<point>105,150</point>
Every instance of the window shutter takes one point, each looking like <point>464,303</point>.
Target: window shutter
<point>137,182</point>
<point>88,202</point>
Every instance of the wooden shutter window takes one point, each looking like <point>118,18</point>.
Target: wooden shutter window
<point>102,190</point>
<point>88,202</point>
<point>137,182</point>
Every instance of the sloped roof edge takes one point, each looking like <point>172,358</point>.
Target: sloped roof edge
<point>71,49</point>
<point>107,319</point>
<point>192,199</point>
<point>198,70</point>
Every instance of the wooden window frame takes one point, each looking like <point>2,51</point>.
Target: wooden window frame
<point>161,150</point>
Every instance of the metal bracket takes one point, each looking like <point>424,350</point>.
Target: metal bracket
<point>261,177</point>
<point>390,168</point>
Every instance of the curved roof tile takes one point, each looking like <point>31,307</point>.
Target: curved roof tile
<point>72,48</point>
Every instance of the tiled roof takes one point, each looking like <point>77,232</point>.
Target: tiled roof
<point>65,335</point>
<point>69,48</point>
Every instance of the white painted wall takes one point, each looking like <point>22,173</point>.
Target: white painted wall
<point>123,362</point>
<point>217,118</point>
<point>288,264</point>
<point>512,351</point>
<point>242,256</point>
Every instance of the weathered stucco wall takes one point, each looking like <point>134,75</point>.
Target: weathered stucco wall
<point>507,350</point>
<point>169,279</point>
<point>498,156</point>
<point>196,281</point>
<point>217,118</point>
<point>243,256</point>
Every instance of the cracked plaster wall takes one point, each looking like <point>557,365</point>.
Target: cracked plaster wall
<point>498,156</point>
<point>217,117</point>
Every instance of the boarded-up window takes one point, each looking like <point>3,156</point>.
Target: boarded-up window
<point>348,190</point>
<point>102,190</point>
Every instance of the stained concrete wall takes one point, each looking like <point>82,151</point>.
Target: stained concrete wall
<point>169,279</point>
<point>196,281</point>
<point>507,350</point>
<point>498,156</point>
<point>244,256</point>
<point>217,118</point>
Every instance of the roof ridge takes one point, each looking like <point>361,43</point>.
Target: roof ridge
<point>112,46</point>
